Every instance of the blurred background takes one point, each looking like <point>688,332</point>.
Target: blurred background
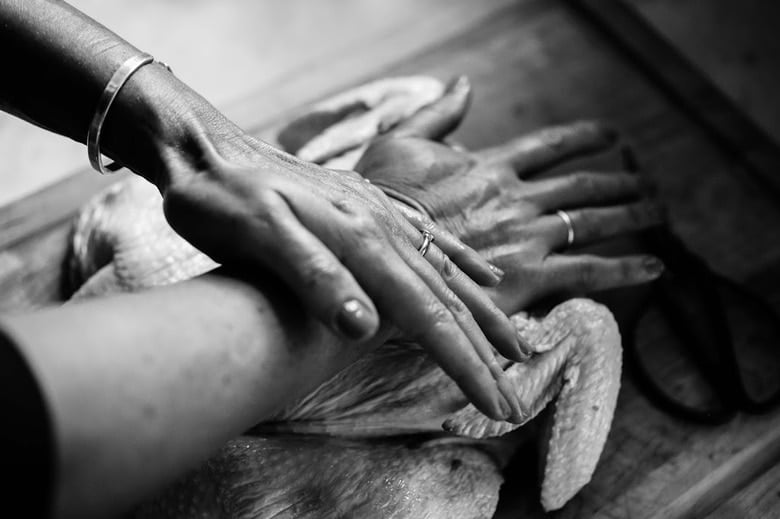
<point>267,56</point>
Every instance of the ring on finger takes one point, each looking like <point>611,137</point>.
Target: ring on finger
<point>427,240</point>
<point>569,226</point>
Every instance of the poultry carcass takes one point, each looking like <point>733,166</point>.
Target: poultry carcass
<point>391,435</point>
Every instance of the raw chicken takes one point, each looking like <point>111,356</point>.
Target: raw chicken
<point>391,436</point>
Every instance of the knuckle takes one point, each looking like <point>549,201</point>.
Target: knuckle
<point>583,182</point>
<point>320,271</point>
<point>364,227</point>
<point>267,205</point>
<point>588,276</point>
<point>348,206</point>
<point>440,315</point>
<point>268,215</point>
<point>448,270</point>
<point>363,221</point>
<point>371,246</point>
<point>457,308</point>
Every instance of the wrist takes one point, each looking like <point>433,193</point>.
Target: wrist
<point>156,124</point>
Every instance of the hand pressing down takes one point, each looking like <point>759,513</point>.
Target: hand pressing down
<point>339,244</point>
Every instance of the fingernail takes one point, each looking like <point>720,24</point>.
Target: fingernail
<point>504,409</point>
<point>354,321</point>
<point>524,352</point>
<point>461,83</point>
<point>509,393</point>
<point>497,271</point>
<point>519,349</point>
<point>653,266</point>
<point>523,345</point>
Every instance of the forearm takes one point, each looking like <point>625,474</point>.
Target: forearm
<point>60,63</point>
<point>142,387</point>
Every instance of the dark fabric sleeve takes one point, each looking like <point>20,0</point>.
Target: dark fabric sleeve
<point>26,440</point>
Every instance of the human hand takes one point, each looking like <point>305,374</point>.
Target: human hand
<point>336,241</point>
<point>345,250</point>
<point>492,202</point>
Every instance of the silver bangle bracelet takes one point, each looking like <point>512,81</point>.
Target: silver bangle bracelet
<point>114,85</point>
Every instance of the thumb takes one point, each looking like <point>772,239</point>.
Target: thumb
<point>440,118</point>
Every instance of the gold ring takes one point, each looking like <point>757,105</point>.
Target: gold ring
<point>427,240</point>
<point>569,226</point>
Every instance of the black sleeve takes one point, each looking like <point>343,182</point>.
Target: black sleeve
<point>26,440</point>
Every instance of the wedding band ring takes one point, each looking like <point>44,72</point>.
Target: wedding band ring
<point>427,240</point>
<point>569,227</point>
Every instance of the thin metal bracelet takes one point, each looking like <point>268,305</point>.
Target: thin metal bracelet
<point>114,85</point>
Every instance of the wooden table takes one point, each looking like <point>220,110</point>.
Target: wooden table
<point>533,63</point>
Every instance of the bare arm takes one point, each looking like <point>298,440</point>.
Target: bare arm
<point>60,63</point>
<point>142,387</point>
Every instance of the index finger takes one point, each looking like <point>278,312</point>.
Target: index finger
<point>417,311</point>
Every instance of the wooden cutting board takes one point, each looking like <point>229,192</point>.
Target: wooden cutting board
<point>535,63</point>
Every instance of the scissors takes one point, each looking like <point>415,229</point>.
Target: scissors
<point>694,303</point>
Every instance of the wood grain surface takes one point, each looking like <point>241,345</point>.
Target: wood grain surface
<point>532,64</point>
<point>759,499</point>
